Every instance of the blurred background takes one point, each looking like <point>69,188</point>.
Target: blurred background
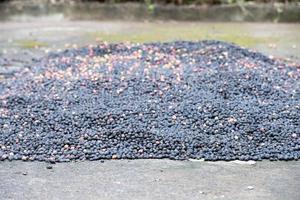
<point>30,29</point>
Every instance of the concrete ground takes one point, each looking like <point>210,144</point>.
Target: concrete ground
<point>150,179</point>
<point>144,179</point>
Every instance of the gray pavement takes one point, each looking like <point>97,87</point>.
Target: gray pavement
<point>150,179</point>
<point>144,179</point>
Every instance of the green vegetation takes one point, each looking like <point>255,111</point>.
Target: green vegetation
<point>171,32</point>
<point>30,44</point>
<point>181,2</point>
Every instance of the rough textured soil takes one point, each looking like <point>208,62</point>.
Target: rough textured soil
<point>178,100</point>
